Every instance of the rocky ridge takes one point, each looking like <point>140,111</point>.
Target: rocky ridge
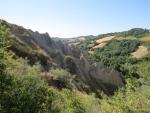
<point>52,54</point>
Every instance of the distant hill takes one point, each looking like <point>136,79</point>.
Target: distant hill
<point>136,32</point>
<point>116,49</point>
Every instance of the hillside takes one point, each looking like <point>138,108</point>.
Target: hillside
<point>127,52</point>
<point>41,48</point>
<point>140,52</point>
<point>130,45</point>
<point>41,74</point>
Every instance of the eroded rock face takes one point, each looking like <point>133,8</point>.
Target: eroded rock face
<point>95,75</point>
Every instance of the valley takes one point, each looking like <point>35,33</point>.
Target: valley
<point>87,74</point>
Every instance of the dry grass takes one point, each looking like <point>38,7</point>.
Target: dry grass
<point>102,42</point>
<point>100,45</point>
<point>99,41</point>
<point>142,51</point>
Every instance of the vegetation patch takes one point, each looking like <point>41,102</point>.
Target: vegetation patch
<point>22,90</point>
<point>100,45</point>
<point>145,39</point>
<point>136,32</point>
<point>70,64</point>
<point>105,39</point>
<point>140,52</point>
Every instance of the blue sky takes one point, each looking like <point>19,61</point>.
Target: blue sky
<point>71,18</point>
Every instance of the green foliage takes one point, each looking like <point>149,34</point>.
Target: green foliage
<point>119,47</point>
<point>86,45</point>
<point>116,54</point>
<point>68,80</point>
<point>90,103</point>
<point>136,32</point>
<point>72,103</point>
<point>60,74</point>
<point>63,76</point>
<point>27,96</point>
<point>70,64</point>
<point>5,79</point>
<point>127,101</point>
<point>134,98</point>
<point>20,68</point>
<point>23,91</point>
<point>65,101</point>
<point>143,69</point>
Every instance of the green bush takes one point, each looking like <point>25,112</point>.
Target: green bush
<point>127,101</point>
<point>66,101</point>
<point>25,95</point>
<point>63,76</point>
<point>6,80</point>
<point>72,103</point>
<point>70,64</point>
<point>20,68</point>
<point>90,103</point>
<point>28,96</point>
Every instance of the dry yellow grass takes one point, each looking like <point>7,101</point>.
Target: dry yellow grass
<point>102,42</point>
<point>142,51</point>
<point>100,45</point>
<point>104,39</point>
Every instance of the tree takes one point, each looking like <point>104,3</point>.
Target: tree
<point>27,95</point>
<point>70,64</point>
<point>5,79</point>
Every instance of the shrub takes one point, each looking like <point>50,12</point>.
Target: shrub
<point>63,76</point>
<point>28,96</point>
<point>6,80</point>
<point>72,103</point>
<point>70,64</point>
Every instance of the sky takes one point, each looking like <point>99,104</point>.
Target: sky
<point>72,18</point>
